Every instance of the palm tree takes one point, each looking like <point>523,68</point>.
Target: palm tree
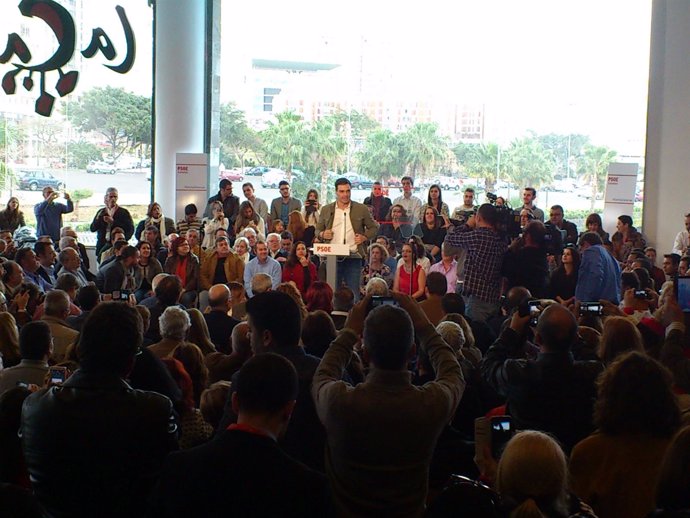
<point>285,142</point>
<point>528,164</point>
<point>593,166</point>
<point>326,148</point>
<point>423,147</point>
<point>480,161</point>
<point>382,155</point>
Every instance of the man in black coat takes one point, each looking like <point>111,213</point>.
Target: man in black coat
<point>94,446</point>
<point>243,472</point>
<point>220,325</point>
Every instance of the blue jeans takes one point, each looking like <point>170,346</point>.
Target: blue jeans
<point>349,273</point>
<point>479,310</point>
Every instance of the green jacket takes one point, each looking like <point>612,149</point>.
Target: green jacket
<point>360,217</point>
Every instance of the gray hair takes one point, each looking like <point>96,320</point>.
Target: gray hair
<point>377,287</point>
<point>272,235</point>
<point>452,334</point>
<point>174,323</point>
<point>248,230</point>
<point>67,242</point>
<point>56,303</point>
<point>261,283</point>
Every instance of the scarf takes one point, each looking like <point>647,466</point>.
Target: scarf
<point>161,225</point>
<point>110,212</point>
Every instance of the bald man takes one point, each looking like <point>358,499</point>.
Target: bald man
<point>553,393</point>
<point>220,325</point>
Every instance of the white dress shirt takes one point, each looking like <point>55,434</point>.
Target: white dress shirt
<point>343,233</point>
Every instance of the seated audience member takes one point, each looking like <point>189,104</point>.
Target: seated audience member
<point>376,267</point>
<point>448,267</point>
<point>146,269</point>
<point>298,268</point>
<point>70,262</point>
<point>290,289</point>
<point>185,265</point>
<point>224,366</point>
<point>392,261</point>
<point>220,325</point>
<point>193,429</point>
<point>616,469</point>
<point>657,273</point>
<point>553,393</point>
<point>56,310</point>
<point>620,336</point>
<point>626,238</point>
<point>154,217</point>
<point>274,249</point>
<point>595,224</point>
<point>318,331</point>
<point>436,286</point>
<point>76,472</point>
<point>174,324</point>
<point>198,333</point>
<point>46,256</point>
<point>26,258</point>
<point>199,483</point>
<point>221,266</point>
<point>376,287</point>
<point>212,402</point>
<point>531,480</point>
<point>167,250</point>
<point>118,247</point>
<point>319,296</point>
<point>669,265</point>
<point>388,472</point>
<point>35,346</point>
<point>397,228</point>
<point>190,222</point>
<point>247,218</point>
<point>410,277</point>
<point>343,300</point>
<point>213,223</point>
<point>556,219</point>
<point>275,326</point>
<point>107,253</point>
<point>261,283</point>
<point>12,278</point>
<point>70,285</point>
<point>458,335</point>
<point>262,263</point>
<point>431,231</point>
<point>673,488</point>
<point>167,293</point>
<point>119,276</point>
<point>564,277</point>
<point>87,299</point>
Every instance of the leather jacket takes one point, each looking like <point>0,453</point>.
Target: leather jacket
<point>95,446</point>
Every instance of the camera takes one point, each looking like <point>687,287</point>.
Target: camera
<point>507,219</point>
<point>121,295</point>
<point>591,308</point>
<point>641,294</point>
<point>534,311</point>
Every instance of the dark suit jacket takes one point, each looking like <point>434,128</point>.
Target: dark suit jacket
<point>385,206</point>
<point>360,218</point>
<point>238,474</point>
<point>220,327</point>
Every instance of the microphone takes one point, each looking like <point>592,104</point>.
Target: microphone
<point>344,228</point>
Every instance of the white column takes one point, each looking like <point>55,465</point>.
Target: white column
<point>179,98</point>
<point>667,171</point>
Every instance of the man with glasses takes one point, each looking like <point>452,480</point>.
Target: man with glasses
<point>283,206</point>
<point>378,204</point>
<point>49,214</point>
<point>110,217</point>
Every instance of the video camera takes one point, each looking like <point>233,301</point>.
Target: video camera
<point>507,219</point>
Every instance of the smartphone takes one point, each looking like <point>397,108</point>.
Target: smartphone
<point>641,294</point>
<point>534,311</point>
<point>592,308</point>
<point>58,375</point>
<point>501,432</point>
<point>378,300</point>
<point>683,293</point>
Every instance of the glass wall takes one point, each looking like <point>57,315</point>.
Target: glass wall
<point>496,95</point>
<point>75,110</point>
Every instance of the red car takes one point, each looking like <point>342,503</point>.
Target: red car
<point>234,175</point>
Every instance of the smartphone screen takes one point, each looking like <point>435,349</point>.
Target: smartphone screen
<point>501,432</point>
<point>591,308</point>
<point>683,293</point>
<point>57,375</point>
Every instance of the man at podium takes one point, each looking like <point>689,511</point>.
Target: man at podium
<point>348,223</point>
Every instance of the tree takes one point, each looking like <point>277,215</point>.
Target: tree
<point>423,147</point>
<point>382,155</point>
<point>77,196</point>
<point>123,118</point>
<point>360,124</point>
<point>527,163</point>
<point>326,148</point>
<point>565,149</point>
<point>285,142</point>
<point>80,153</point>
<point>7,177</point>
<point>593,166</point>
<point>237,139</point>
<point>480,161</point>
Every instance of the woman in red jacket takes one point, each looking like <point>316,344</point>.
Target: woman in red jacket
<point>298,268</point>
<point>185,265</point>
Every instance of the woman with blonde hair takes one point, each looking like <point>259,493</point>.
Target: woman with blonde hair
<point>290,289</point>
<point>299,229</point>
<point>620,335</point>
<point>192,358</point>
<point>248,218</point>
<point>198,332</point>
<point>9,340</point>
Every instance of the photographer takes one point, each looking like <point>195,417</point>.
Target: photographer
<point>311,209</point>
<point>49,214</point>
<point>525,263</point>
<point>485,249</point>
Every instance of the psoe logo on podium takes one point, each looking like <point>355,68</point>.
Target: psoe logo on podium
<point>331,249</point>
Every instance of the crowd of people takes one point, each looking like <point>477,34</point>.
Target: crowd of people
<point>203,367</point>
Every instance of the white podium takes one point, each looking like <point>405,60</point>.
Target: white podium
<point>331,252</point>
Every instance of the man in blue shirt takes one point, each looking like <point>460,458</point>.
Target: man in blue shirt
<point>262,263</point>
<point>599,276</point>
<point>49,214</point>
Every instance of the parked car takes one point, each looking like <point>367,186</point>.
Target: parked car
<point>97,167</point>
<point>257,171</point>
<point>448,183</point>
<point>37,180</point>
<point>272,177</point>
<point>359,181</point>
<point>234,175</point>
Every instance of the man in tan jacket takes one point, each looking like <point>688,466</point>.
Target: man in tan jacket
<point>210,274</point>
